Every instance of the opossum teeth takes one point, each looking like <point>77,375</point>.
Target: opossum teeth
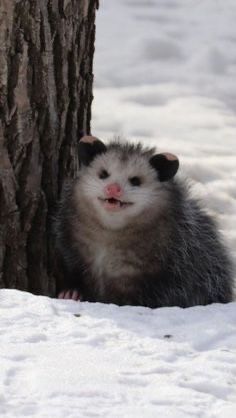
<point>116,202</point>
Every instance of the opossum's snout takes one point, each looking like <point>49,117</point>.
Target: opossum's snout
<point>112,200</point>
<point>113,190</point>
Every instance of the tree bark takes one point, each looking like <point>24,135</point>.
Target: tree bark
<point>46,55</point>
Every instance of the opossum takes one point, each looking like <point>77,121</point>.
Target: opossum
<point>129,232</point>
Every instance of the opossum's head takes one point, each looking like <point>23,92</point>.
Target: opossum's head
<point>124,183</point>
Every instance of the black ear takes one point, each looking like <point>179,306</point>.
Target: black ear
<point>89,147</point>
<point>166,165</point>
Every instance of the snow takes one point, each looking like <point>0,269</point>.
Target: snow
<point>70,359</point>
<point>164,74</point>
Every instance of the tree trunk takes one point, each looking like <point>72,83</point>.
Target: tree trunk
<point>46,54</point>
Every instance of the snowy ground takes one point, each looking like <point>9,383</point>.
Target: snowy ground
<point>165,74</point>
<point>66,359</point>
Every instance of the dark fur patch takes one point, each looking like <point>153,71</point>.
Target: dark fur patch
<point>126,149</point>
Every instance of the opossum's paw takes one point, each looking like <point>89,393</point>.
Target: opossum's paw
<point>69,294</point>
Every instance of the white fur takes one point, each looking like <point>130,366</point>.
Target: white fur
<point>150,194</point>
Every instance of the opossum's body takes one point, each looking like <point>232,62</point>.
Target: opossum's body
<point>130,234</point>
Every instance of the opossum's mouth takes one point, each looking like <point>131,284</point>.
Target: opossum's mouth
<point>114,204</point>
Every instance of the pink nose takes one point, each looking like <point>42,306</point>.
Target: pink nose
<point>113,190</point>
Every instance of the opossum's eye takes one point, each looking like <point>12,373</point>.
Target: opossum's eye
<point>103,174</point>
<point>135,181</point>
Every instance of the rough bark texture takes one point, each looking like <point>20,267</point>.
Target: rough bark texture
<point>46,53</point>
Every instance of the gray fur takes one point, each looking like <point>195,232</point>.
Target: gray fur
<point>168,253</point>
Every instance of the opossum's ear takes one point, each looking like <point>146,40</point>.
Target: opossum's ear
<point>166,165</point>
<point>89,147</point>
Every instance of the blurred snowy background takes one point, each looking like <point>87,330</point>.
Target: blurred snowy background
<point>165,73</point>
